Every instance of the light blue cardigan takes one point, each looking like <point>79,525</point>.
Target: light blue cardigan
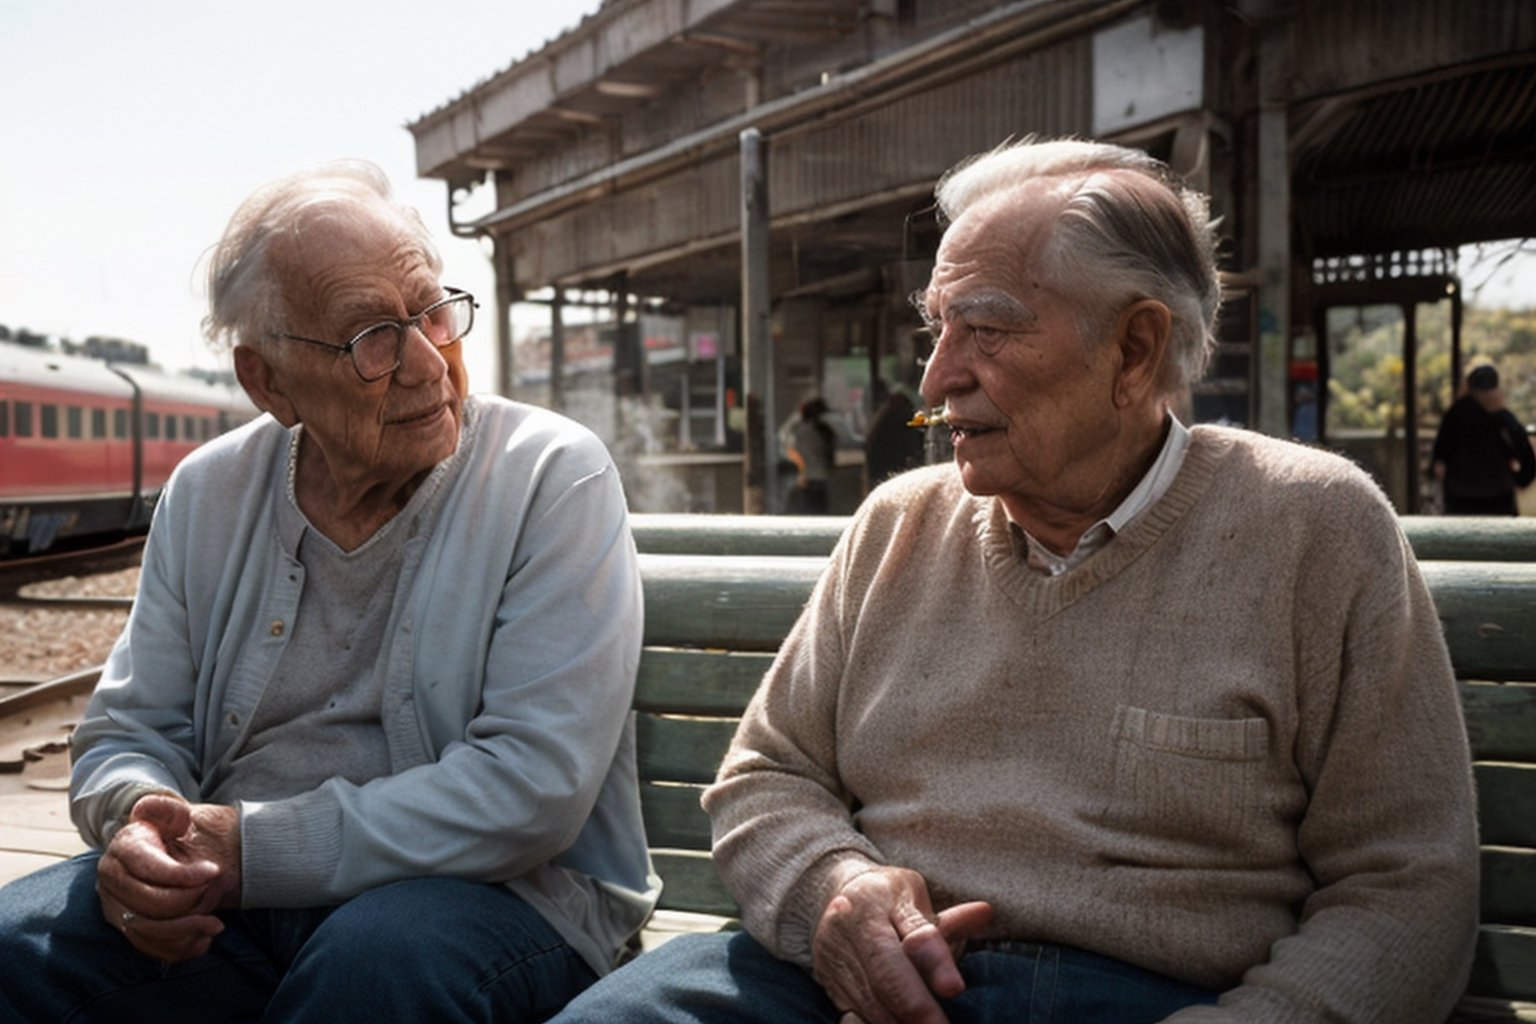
<point>511,655</point>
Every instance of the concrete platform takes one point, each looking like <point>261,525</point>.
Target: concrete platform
<point>35,829</point>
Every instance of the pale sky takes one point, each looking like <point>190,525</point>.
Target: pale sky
<point>132,130</point>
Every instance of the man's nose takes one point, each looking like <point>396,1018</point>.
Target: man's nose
<point>947,371</point>
<point>420,360</point>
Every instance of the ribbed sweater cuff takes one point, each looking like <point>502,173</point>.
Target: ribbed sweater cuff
<point>288,851</point>
<point>808,901</point>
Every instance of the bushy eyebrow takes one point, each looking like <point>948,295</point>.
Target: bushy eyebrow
<point>994,305</point>
<point>988,304</point>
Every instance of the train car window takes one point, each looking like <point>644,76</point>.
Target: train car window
<point>23,419</point>
<point>74,421</point>
<point>5,419</point>
<point>207,428</point>
<point>189,428</point>
<point>98,423</point>
<point>50,420</point>
<point>152,426</point>
<point>170,428</point>
<point>120,424</point>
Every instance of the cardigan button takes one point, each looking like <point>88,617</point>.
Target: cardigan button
<point>277,627</point>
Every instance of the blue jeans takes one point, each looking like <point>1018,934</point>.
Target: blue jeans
<point>429,949</point>
<point>705,979</point>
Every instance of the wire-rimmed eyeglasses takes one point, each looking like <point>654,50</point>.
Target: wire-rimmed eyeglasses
<point>375,350</point>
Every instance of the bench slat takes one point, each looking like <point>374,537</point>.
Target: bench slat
<point>1508,886</point>
<point>1487,610</point>
<point>1463,539</point>
<point>690,883</point>
<point>749,603</point>
<point>1501,721</point>
<point>1505,964</point>
<point>743,604</point>
<point>1433,538</point>
<point>659,533</point>
<point>681,749</point>
<point>1506,803</point>
<point>693,682</point>
<point>673,816</point>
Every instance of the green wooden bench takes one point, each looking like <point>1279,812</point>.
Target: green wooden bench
<point>1449,538</point>
<point>714,621</point>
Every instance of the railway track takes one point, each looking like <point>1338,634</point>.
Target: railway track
<point>36,682</point>
<point>19,573</point>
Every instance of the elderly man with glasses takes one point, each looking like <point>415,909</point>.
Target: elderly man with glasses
<point>363,751</point>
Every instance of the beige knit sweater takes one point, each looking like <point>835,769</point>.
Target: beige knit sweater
<point>1228,747</point>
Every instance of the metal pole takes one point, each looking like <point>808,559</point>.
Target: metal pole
<point>1411,406</point>
<point>759,491</point>
<point>557,351</point>
<point>1274,219</point>
<point>506,294</point>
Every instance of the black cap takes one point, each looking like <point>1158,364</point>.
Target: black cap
<point>1484,378</point>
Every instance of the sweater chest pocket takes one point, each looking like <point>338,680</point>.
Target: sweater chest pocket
<point>1189,779</point>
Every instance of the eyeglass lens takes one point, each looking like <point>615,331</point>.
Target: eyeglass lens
<point>376,351</point>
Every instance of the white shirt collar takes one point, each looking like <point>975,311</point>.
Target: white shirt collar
<point>1153,484</point>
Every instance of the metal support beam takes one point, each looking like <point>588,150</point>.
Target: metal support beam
<point>1411,468</point>
<point>506,294</point>
<point>759,494</point>
<point>557,351</point>
<point>1274,180</point>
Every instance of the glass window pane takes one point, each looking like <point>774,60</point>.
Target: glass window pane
<point>170,428</point>
<point>152,426</point>
<point>23,419</point>
<point>98,423</point>
<point>50,420</point>
<point>5,419</point>
<point>74,417</point>
<point>120,424</point>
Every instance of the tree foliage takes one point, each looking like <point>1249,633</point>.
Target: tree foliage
<point>1365,386</point>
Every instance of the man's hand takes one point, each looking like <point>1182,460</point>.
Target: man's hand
<point>166,870</point>
<point>884,956</point>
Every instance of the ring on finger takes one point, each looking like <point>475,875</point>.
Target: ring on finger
<point>128,918</point>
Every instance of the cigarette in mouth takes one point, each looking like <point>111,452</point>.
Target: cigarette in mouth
<point>923,418</point>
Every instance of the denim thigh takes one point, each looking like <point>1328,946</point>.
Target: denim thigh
<point>423,949</point>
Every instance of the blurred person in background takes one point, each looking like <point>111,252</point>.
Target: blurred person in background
<point>813,449</point>
<point>1482,453</point>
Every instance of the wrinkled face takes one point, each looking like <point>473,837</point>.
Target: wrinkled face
<point>343,271</point>
<point>1030,404</point>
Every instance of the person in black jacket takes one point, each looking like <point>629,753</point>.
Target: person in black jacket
<point>1482,454</point>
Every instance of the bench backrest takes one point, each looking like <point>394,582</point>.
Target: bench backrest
<point>1433,538</point>
<point>713,622</point>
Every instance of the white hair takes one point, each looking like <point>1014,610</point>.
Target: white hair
<point>1129,229</point>
<point>243,291</point>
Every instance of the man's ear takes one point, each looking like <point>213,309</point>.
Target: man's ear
<point>255,375</point>
<point>1142,331</point>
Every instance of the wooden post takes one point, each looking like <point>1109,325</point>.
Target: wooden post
<point>760,493</point>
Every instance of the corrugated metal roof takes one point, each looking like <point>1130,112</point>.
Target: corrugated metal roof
<point>1445,161</point>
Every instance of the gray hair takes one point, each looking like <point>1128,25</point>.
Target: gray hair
<point>244,295</point>
<point>1115,240</point>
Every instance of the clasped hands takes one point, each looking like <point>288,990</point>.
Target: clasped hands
<point>165,872</point>
<point>884,956</point>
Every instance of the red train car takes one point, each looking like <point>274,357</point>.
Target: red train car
<point>86,446</point>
